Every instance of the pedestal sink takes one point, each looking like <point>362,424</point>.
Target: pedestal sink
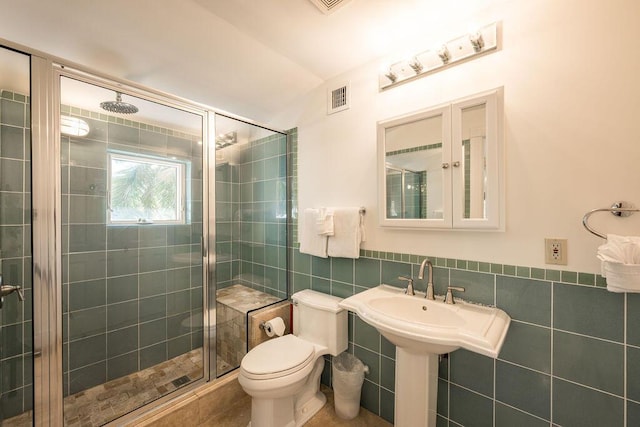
<point>422,329</point>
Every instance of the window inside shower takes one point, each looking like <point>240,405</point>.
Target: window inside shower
<point>146,189</point>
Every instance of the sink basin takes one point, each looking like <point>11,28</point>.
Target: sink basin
<point>416,310</point>
<point>421,329</point>
<point>422,325</point>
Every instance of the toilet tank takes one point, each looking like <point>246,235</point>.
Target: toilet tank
<point>317,318</point>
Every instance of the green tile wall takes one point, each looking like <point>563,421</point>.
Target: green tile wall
<point>251,217</point>
<point>571,357</point>
<point>16,349</point>
<point>130,292</point>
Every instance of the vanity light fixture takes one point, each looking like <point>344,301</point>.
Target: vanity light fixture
<point>444,54</point>
<point>416,65</point>
<point>391,75</point>
<point>73,126</point>
<point>478,42</point>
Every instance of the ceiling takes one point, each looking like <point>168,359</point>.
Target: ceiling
<point>252,58</point>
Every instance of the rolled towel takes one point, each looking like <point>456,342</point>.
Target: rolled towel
<point>620,257</point>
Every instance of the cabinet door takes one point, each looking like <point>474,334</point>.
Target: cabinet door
<point>414,184</point>
<point>477,162</point>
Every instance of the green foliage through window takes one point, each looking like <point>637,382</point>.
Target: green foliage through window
<point>144,189</point>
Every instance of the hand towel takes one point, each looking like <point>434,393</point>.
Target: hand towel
<point>311,242</point>
<point>324,222</point>
<point>348,233</point>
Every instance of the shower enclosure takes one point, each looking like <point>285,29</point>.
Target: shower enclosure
<point>251,230</point>
<point>135,248</point>
<point>132,264</point>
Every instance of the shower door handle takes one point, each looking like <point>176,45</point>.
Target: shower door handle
<point>8,289</point>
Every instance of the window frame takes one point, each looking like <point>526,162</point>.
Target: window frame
<point>181,167</point>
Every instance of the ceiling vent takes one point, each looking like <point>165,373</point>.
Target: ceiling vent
<point>329,6</point>
<point>338,98</point>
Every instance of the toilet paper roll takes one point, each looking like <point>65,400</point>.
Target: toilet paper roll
<point>274,327</point>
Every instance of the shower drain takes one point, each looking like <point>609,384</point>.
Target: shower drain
<point>180,381</point>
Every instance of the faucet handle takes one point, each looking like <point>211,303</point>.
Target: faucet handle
<point>409,290</point>
<point>7,289</point>
<point>448,299</point>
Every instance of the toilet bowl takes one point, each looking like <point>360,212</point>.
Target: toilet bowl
<point>282,375</point>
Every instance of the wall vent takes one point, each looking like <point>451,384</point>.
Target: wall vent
<point>329,6</point>
<point>338,98</point>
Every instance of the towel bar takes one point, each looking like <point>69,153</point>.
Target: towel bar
<point>618,209</point>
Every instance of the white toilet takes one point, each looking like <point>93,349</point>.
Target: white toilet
<point>282,375</point>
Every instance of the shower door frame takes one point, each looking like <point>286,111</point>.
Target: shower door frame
<point>59,71</point>
<point>46,72</point>
<point>47,248</point>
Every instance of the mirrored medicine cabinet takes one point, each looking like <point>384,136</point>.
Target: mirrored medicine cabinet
<point>443,167</point>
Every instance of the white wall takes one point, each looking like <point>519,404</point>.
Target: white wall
<point>571,76</point>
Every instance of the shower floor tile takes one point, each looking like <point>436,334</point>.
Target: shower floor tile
<point>106,402</point>
<point>22,420</point>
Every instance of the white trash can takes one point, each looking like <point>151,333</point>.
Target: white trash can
<point>348,375</point>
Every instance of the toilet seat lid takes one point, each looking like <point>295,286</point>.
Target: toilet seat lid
<point>278,357</point>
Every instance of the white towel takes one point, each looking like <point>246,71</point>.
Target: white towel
<point>620,258</point>
<point>310,241</point>
<point>348,233</point>
<point>620,249</point>
<point>324,222</point>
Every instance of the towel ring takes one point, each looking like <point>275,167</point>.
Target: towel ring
<point>621,209</point>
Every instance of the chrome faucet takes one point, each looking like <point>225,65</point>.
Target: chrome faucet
<point>429,292</point>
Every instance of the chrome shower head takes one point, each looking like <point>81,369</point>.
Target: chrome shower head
<point>118,106</point>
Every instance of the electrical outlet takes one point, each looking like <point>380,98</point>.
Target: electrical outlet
<point>555,251</point>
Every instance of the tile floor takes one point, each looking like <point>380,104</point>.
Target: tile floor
<point>104,403</point>
<point>236,412</point>
<point>327,416</point>
<point>240,415</point>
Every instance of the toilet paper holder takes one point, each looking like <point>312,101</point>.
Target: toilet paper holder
<point>273,327</point>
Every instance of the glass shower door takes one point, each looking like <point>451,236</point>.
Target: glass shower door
<point>16,331</point>
<point>132,264</point>
<point>251,233</point>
